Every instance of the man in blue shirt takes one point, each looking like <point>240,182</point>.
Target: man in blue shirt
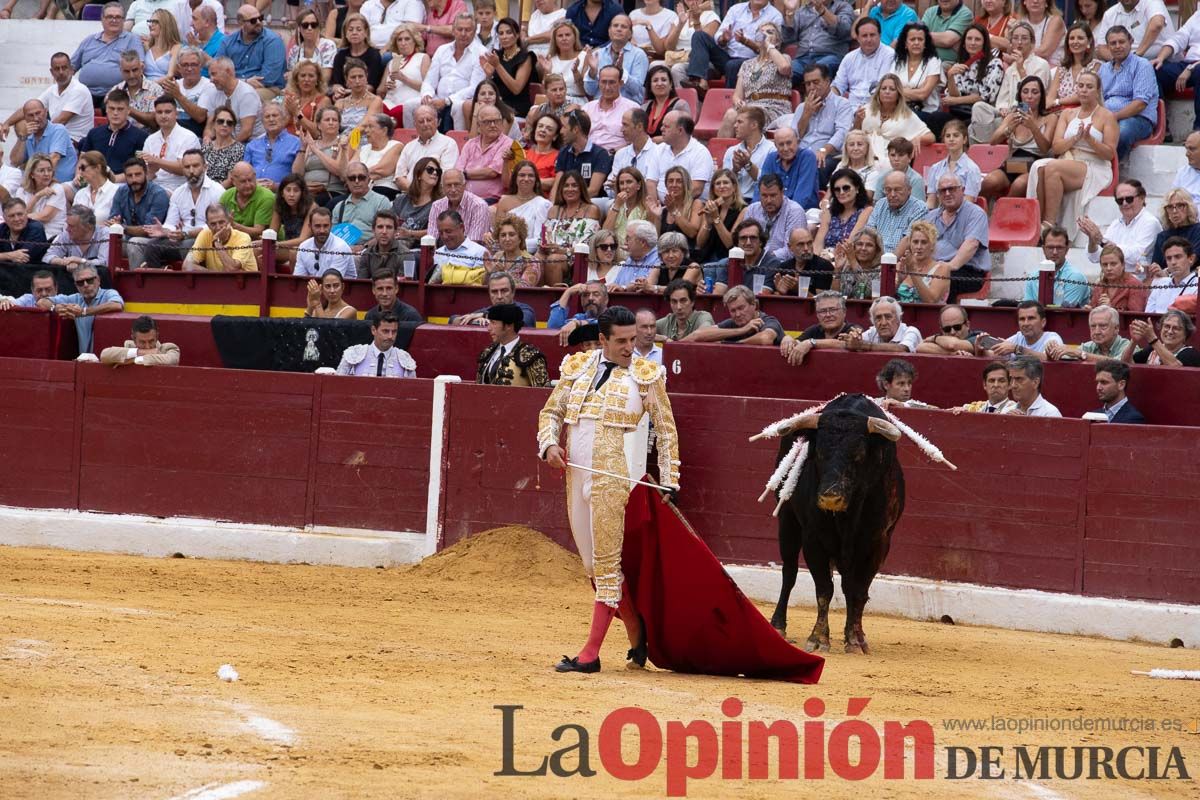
<point>272,154</point>
<point>85,304</point>
<point>619,53</point>
<point>119,139</point>
<point>1130,90</point>
<point>137,205</point>
<point>893,216</point>
<point>1070,287</point>
<point>257,54</point>
<point>962,243</point>
<point>97,60</point>
<point>892,15</point>
<point>42,136</point>
<point>593,18</point>
<point>796,168</point>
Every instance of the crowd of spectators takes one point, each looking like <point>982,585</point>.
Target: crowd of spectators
<point>363,128</point>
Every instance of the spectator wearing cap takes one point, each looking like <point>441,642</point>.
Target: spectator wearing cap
<point>1112,378</point>
<point>746,323</point>
<point>508,361</point>
<point>381,358</point>
<point>84,305</point>
<point>97,59</point>
<point>143,348</point>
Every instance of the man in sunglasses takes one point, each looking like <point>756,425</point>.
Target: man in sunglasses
<point>83,306</point>
<point>430,143</point>
<point>956,337</point>
<point>962,231</point>
<point>257,53</point>
<point>360,208</point>
<point>1134,231</point>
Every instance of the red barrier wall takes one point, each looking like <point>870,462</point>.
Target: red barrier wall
<point>1058,505</point>
<point>33,333</point>
<point>1019,512</point>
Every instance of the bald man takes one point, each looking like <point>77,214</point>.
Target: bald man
<point>249,205</point>
<point>257,53</point>
<point>37,134</point>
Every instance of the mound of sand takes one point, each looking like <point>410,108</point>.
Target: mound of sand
<point>506,555</point>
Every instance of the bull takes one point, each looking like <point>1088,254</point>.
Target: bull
<point>848,499</point>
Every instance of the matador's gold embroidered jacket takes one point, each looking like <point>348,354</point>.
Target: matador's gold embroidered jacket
<point>614,405</point>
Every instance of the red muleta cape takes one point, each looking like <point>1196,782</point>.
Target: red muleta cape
<point>697,619</point>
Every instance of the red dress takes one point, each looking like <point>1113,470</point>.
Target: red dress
<point>543,161</point>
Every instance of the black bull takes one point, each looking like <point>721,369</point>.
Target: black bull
<point>847,502</point>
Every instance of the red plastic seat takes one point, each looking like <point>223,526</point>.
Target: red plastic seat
<point>459,137</point>
<point>1160,127</point>
<point>988,157</point>
<point>534,90</point>
<point>983,292</point>
<point>716,103</point>
<point>930,154</point>
<point>1111,189</point>
<point>1015,222</point>
<point>99,120</point>
<point>691,97</point>
<point>718,146</point>
<point>404,135</point>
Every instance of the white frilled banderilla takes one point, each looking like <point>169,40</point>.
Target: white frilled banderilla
<point>787,473</point>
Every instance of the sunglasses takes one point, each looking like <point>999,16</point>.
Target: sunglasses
<point>254,20</point>
<point>309,26</point>
<point>1126,201</point>
<point>356,178</point>
<point>86,281</point>
<point>609,246</point>
<point>952,328</point>
<point>228,123</point>
<point>843,188</point>
<point>432,171</point>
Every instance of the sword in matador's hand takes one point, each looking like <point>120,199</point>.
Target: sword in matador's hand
<point>667,491</point>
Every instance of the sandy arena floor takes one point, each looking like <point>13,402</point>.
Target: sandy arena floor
<point>363,683</point>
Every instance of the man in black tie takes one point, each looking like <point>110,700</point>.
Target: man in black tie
<point>381,358</point>
<point>996,384</point>
<point>508,361</point>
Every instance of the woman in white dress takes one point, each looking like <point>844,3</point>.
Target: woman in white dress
<point>1049,29</point>
<point>45,199</point>
<point>95,185</point>
<point>566,58</point>
<point>525,200</point>
<point>886,116</point>
<point>652,26</point>
<point>405,72</point>
<point>1085,141</point>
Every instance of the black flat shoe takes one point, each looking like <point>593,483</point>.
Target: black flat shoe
<point>575,665</point>
<point>637,655</point>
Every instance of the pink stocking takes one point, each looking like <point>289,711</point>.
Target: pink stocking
<point>602,617</point>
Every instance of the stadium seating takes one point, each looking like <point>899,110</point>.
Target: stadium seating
<point>460,138</point>
<point>404,135</point>
<point>716,103</point>
<point>1160,128</point>
<point>691,97</point>
<point>92,12</point>
<point>1015,222</point>
<point>718,146</point>
<point>930,154</point>
<point>988,157</point>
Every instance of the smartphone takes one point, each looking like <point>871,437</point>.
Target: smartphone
<point>987,341</point>
<point>1023,107</point>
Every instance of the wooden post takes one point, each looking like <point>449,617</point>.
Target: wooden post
<point>424,269</point>
<point>116,233</point>
<point>887,275</point>
<point>734,272</point>
<point>579,270</point>
<point>269,239</point>
<point>1046,283</point>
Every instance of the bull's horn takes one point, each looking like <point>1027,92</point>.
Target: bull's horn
<point>883,428</point>
<point>806,422</point>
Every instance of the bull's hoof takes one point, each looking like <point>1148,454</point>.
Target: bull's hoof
<point>816,645</point>
<point>854,648</point>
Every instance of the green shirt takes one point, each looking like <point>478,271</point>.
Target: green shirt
<point>958,22</point>
<point>668,326</point>
<point>361,213</point>
<point>1119,346</point>
<point>256,212</point>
